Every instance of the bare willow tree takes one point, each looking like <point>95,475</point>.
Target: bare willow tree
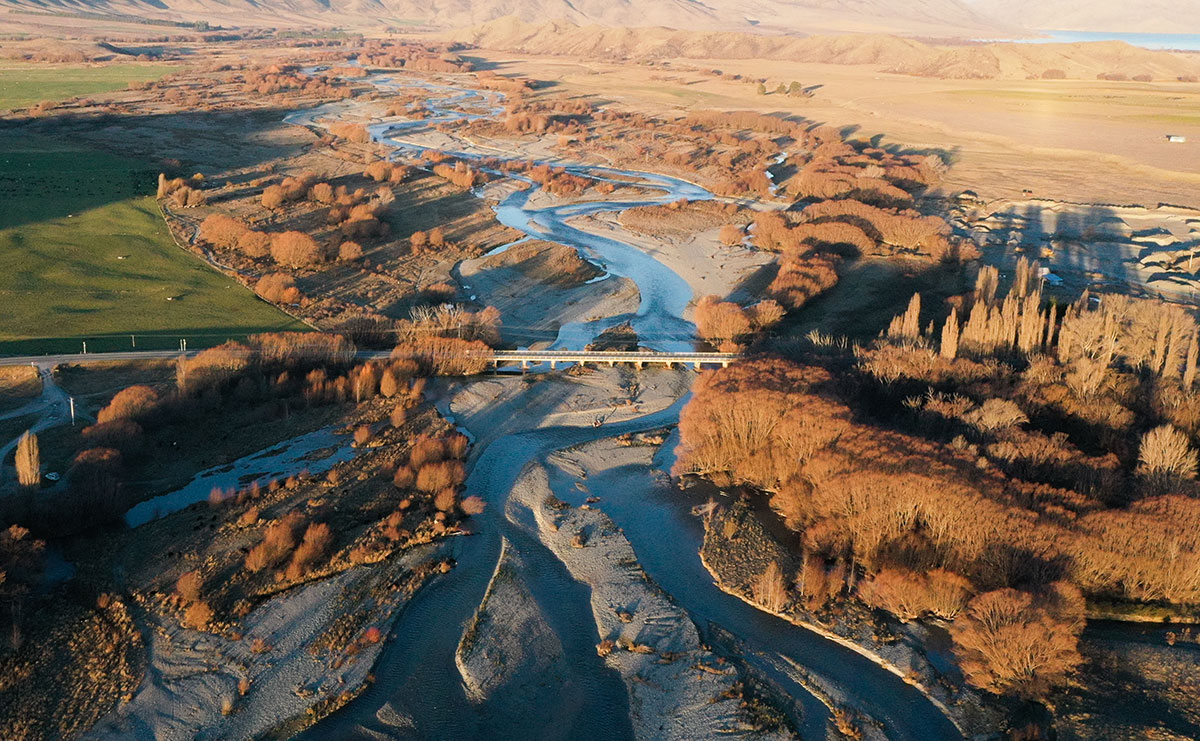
<point>906,327</point>
<point>1166,457</point>
<point>1013,643</point>
<point>718,320</point>
<point>770,589</point>
<point>909,594</point>
<point>29,470</point>
<point>949,346</point>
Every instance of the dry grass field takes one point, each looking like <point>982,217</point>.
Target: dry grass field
<point>18,386</point>
<point>1059,139</point>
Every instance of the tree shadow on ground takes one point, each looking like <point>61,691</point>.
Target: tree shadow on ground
<point>61,165</point>
<point>1087,245</point>
<point>167,339</point>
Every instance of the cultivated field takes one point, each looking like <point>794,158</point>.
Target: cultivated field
<point>23,84</point>
<point>85,255</point>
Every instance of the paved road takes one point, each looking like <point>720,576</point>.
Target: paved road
<point>92,357</point>
<point>125,356</point>
<point>52,406</point>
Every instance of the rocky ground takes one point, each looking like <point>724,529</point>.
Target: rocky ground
<point>298,656</point>
<point>509,655</point>
<point>709,267</point>
<point>677,688</point>
<point>534,304</point>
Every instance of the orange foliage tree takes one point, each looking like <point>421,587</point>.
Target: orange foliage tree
<point>295,249</point>
<point>129,403</point>
<point>1011,642</point>
<point>279,288</point>
<point>756,420</point>
<point>222,231</point>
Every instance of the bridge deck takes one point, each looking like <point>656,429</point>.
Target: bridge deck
<point>612,357</point>
<point>499,357</point>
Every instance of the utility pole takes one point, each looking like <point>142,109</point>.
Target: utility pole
<point>85,347</point>
<point>133,341</point>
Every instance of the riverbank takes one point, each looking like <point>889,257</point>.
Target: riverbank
<point>535,308</point>
<point>709,267</point>
<point>177,629</point>
<point>491,408</point>
<point>835,684</point>
<point>737,549</point>
<point>294,660</point>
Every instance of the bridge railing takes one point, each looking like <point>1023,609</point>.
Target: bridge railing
<point>612,357</point>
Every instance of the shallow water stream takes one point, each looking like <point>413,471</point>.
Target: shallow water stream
<point>315,452</point>
<point>418,691</point>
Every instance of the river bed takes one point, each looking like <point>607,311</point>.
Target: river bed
<point>315,452</point>
<point>418,690</point>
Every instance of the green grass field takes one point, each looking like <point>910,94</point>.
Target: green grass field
<point>1085,93</point>
<point>85,256</point>
<point>23,85</point>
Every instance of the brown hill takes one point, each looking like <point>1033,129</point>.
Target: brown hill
<point>562,38</point>
<point>1075,61</point>
<point>929,17</point>
<point>1141,16</point>
<point>889,53</point>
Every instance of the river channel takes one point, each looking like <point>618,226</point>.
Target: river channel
<point>418,692</point>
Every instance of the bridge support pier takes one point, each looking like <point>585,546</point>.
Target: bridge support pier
<point>524,365</point>
<point>696,366</point>
<point>639,364</point>
<point>553,365</point>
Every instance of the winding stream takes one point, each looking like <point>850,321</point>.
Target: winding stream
<point>418,691</point>
<point>315,452</point>
<point>664,295</point>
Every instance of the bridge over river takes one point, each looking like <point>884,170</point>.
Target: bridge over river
<point>498,358</point>
<point>611,357</point>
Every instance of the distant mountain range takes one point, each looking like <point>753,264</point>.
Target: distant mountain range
<point>1128,16</point>
<point>930,18</point>
<point>921,17</point>
<point>890,53</point>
